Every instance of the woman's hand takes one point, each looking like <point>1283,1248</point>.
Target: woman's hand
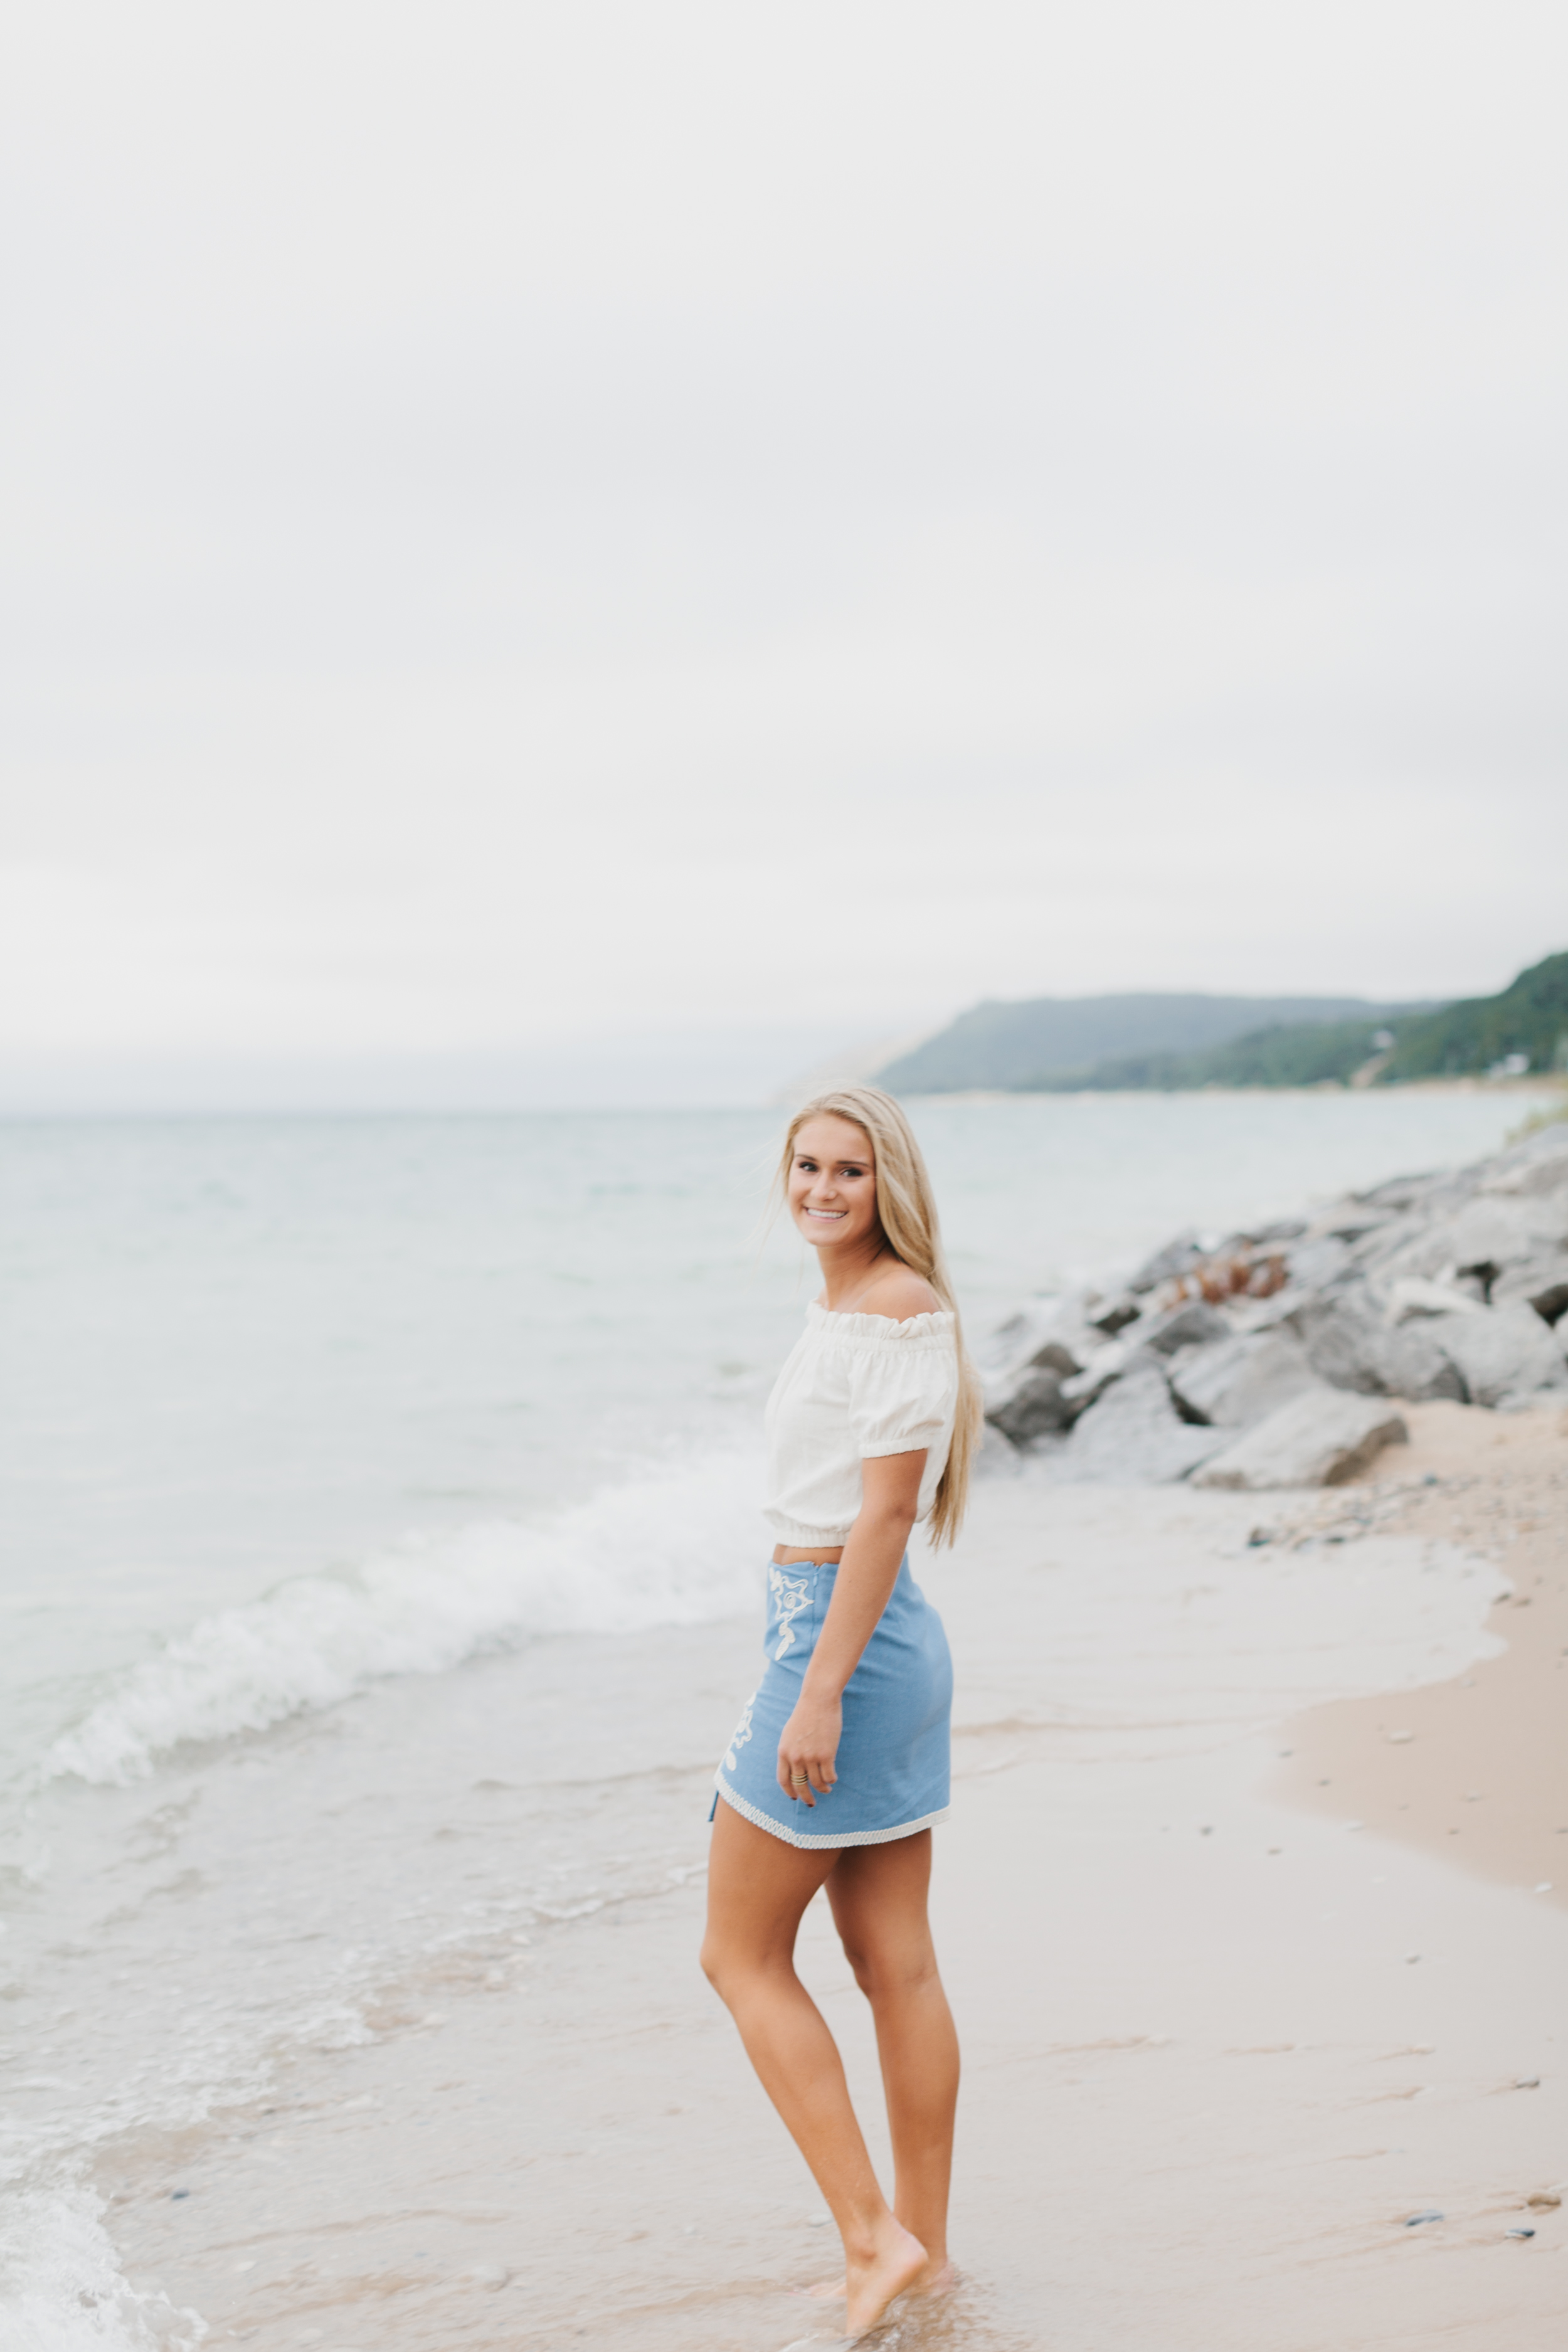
<point>807,1746</point>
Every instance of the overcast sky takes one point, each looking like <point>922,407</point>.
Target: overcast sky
<point>536,525</point>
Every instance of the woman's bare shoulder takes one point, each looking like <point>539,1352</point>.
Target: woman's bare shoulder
<point>898,1292</point>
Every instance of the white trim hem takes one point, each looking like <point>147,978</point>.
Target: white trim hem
<point>854,1837</point>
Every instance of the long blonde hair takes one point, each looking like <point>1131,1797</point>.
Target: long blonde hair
<point>907,1213</point>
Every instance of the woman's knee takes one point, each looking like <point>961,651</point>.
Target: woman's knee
<point>730,1961</point>
<point>890,1969</point>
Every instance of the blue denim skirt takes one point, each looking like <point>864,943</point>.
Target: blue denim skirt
<point>893,1758</point>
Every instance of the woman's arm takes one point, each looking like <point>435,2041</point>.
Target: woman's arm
<point>890,1486</point>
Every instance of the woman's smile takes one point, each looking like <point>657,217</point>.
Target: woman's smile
<point>832,1188</point>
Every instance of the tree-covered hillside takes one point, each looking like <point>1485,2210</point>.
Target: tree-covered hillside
<point>1047,1038</point>
<point>1174,1044</point>
<point>1315,1054</point>
<point>1530,1017</point>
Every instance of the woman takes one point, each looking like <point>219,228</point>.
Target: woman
<point>838,1767</point>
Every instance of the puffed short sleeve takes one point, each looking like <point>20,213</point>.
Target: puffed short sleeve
<point>902,1399</point>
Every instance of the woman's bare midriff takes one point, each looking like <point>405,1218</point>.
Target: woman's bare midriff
<point>785,1553</point>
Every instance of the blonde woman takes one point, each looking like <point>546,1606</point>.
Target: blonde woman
<point>838,1767</point>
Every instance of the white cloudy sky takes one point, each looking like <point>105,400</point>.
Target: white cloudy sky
<point>530,526</point>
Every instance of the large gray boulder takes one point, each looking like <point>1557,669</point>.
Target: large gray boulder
<point>1349,1221</point>
<point>1175,1258</point>
<point>1312,1264</point>
<point>1350,1344</point>
<point>1185,1324</point>
<point>1482,1240</point>
<point>1411,1298</point>
<point>1490,1232</point>
<point>1133,1436</point>
<point>1190,1323</point>
<point>1505,1355</point>
<point>1541,1281</point>
<point>1047,1336</point>
<point>1039,1324</point>
<point>1235,1381</point>
<point>1538,1165</point>
<point>1105,1366</point>
<point>1319,1439</point>
<point>1436,1192</point>
<point>994,1458</point>
<point>1034,1407</point>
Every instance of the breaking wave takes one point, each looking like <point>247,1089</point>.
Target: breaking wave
<point>61,2289</point>
<point>674,1546</point>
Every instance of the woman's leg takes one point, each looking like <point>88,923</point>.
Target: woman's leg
<point>758,1888</point>
<point>879,1897</point>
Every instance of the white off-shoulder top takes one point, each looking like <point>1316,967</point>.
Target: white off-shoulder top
<point>855,1386</point>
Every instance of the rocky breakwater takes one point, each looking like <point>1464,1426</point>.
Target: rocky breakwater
<point>1278,1357</point>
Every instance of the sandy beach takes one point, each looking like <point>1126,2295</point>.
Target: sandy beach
<point>1475,1769</point>
<point>1232,2016</point>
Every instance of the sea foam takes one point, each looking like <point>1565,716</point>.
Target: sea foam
<point>675,1545</point>
<point>61,2289</point>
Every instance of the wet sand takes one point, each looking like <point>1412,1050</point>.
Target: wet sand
<point>1219,2047</point>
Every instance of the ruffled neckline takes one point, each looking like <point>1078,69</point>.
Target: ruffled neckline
<point>935,1323</point>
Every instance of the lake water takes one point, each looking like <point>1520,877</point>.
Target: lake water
<point>302,1418</point>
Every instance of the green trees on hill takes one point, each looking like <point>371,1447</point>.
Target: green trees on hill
<point>1308,1053</point>
<point>1529,1017</point>
<point>1526,1022</point>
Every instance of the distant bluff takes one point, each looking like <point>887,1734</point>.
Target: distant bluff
<point>1176,1043</point>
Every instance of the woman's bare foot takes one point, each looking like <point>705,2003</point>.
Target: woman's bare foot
<point>937,2278</point>
<point>878,2278</point>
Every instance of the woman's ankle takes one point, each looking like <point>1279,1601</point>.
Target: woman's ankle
<point>868,2238</point>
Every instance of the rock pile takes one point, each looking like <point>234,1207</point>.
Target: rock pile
<point>1270,1359</point>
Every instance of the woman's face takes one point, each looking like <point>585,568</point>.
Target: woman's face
<point>833,1183</point>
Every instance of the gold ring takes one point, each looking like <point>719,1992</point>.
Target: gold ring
<point>799,1780</point>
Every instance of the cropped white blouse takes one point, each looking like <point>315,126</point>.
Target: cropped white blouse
<point>853,1387</point>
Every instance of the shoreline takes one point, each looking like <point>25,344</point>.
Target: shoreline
<point>1206,2088</point>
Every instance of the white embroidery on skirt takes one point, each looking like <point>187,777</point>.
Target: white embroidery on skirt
<point>742,1732</point>
<point>793,1593</point>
